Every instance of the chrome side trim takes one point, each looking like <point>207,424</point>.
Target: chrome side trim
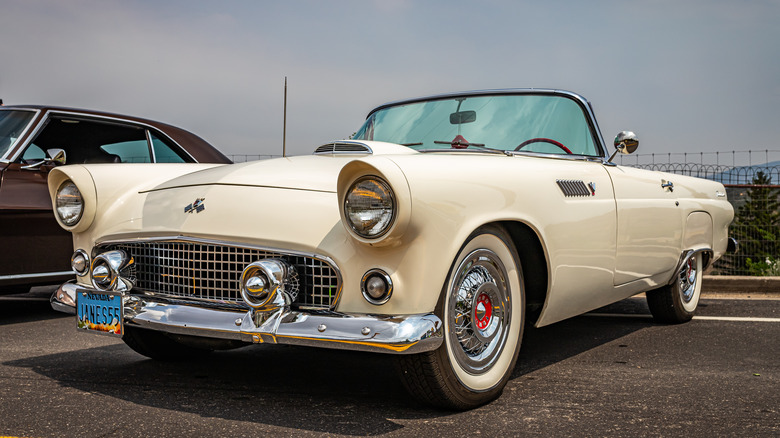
<point>687,254</point>
<point>396,334</point>
<point>38,275</point>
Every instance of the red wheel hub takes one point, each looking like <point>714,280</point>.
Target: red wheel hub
<point>483,312</point>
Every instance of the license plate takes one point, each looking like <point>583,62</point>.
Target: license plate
<point>100,312</point>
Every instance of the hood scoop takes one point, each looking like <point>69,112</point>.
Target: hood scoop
<point>343,147</point>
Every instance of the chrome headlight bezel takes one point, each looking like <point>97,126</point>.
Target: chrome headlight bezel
<point>381,217</point>
<point>69,203</point>
<point>76,259</point>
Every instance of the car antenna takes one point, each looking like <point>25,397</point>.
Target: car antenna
<point>284,123</point>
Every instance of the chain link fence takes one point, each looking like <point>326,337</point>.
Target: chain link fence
<point>752,181</point>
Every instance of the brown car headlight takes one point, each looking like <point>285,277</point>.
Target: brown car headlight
<point>70,204</point>
<point>369,207</point>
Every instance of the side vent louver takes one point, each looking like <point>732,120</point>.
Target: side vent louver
<point>343,147</point>
<point>575,188</point>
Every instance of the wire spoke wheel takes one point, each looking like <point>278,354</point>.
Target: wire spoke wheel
<point>478,313</point>
<point>483,308</point>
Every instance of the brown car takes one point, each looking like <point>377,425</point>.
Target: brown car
<point>34,139</point>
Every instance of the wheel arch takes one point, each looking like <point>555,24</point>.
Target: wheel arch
<point>533,259</point>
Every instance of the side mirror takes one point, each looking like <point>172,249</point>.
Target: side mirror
<point>626,142</point>
<point>56,156</point>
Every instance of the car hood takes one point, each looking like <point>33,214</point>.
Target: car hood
<point>317,173</point>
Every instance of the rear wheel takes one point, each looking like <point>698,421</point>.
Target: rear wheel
<point>482,308</point>
<point>676,303</point>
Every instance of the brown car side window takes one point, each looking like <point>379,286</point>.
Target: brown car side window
<point>87,141</point>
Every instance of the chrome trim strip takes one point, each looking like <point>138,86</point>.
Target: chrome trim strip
<point>150,146</point>
<point>98,118</point>
<point>687,254</point>
<point>397,334</point>
<point>199,240</point>
<point>37,275</point>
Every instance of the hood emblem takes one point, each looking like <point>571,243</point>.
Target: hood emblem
<point>196,206</point>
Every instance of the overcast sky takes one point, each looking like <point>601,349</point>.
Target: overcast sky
<point>694,75</point>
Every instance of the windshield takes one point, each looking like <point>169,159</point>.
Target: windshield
<point>531,123</point>
<point>12,125</point>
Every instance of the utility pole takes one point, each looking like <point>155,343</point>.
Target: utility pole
<point>284,125</point>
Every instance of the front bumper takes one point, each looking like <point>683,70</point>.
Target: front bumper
<point>405,334</point>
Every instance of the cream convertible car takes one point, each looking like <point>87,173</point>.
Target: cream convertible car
<point>435,234</point>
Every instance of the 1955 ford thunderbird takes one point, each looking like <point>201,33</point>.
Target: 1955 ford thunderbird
<point>435,234</point>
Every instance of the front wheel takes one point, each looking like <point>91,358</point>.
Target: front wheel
<point>676,303</point>
<point>482,308</point>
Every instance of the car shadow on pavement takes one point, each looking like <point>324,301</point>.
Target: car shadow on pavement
<point>317,390</point>
<point>33,306</point>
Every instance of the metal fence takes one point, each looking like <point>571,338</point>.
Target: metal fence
<point>752,181</point>
<point>243,158</point>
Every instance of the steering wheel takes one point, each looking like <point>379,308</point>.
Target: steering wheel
<point>543,140</point>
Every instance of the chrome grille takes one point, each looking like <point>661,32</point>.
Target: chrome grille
<point>210,271</point>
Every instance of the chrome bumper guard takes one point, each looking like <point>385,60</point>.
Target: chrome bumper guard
<point>406,334</point>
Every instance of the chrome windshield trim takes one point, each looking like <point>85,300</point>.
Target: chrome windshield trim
<point>583,103</point>
<point>96,118</point>
<point>8,159</point>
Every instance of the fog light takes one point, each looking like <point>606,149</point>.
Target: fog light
<point>256,285</point>
<point>79,261</point>
<point>113,270</point>
<point>377,287</point>
<point>261,281</point>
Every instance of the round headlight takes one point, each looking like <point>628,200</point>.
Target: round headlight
<point>369,207</point>
<point>70,204</point>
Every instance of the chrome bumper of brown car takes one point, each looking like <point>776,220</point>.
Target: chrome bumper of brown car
<point>404,334</point>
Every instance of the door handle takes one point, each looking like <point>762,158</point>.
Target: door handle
<point>667,184</point>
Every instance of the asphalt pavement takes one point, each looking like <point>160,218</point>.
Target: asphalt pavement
<point>613,372</point>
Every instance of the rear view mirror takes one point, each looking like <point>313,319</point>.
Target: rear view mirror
<point>461,117</point>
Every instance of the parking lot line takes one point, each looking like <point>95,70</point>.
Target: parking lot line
<point>704,318</point>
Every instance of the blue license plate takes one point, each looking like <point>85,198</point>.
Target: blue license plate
<point>100,312</point>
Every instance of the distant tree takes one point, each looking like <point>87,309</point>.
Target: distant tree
<point>757,228</point>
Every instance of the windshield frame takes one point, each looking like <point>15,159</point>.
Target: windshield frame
<point>5,158</point>
<point>584,105</point>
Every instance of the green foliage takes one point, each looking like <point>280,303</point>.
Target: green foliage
<point>768,267</point>
<point>757,227</point>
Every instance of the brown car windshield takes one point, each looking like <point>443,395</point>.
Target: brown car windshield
<point>12,125</point>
